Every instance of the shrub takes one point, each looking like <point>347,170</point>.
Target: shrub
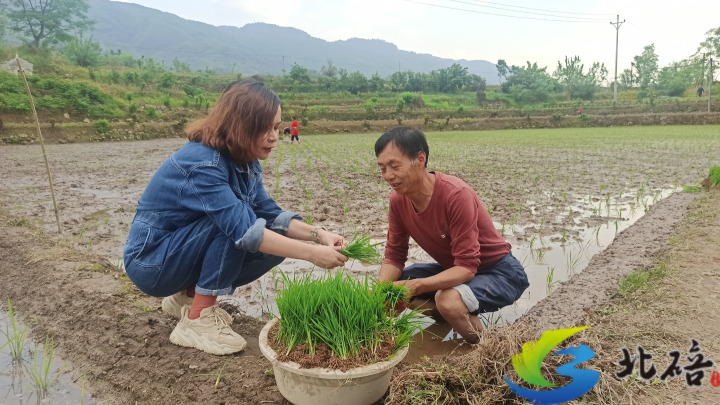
<point>304,121</point>
<point>468,121</point>
<point>102,126</point>
<point>192,91</point>
<point>132,108</point>
<point>461,109</point>
<point>369,107</point>
<point>168,80</point>
<point>186,101</point>
<point>166,101</point>
<point>556,118</point>
<point>400,105</point>
<point>129,96</point>
<point>427,118</point>
<point>152,112</point>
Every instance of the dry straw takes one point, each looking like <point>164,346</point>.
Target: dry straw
<point>42,142</point>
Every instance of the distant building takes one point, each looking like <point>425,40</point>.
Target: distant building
<point>12,66</point>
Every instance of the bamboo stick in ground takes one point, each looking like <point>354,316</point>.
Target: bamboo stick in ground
<point>42,142</point>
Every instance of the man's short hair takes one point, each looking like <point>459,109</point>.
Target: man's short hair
<point>294,117</point>
<point>409,140</point>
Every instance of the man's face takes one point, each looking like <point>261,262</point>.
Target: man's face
<point>398,171</point>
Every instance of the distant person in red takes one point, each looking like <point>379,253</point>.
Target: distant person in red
<point>295,128</point>
<point>580,110</point>
<point>474,270</point>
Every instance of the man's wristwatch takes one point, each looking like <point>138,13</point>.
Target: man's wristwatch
<point>314,232</point>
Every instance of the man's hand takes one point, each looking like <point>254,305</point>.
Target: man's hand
<point>415,287</point>
<point>326,238</point>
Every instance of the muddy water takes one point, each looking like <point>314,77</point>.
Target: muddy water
<point>548,260</point>
<point>15,381</point>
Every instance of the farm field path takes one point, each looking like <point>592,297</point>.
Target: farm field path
<point>680,301</point>
<point>106,329</point>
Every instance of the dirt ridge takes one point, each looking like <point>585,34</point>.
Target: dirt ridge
<point>638,247</point>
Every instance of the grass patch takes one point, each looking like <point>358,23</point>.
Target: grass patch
<point>641,279</point>
<point>691,189</point>
<point>715,175</point>
<point>341,313</point>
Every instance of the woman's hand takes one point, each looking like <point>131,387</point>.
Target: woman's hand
<point>327,257</point>
<point>326,238</point>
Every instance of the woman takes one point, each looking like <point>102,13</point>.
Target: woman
<point>205,225</point>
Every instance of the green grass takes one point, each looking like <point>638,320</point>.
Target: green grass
<point>15,338</point>
<point>361,249</point>
<point>341,313</point>
<point>641,279</point>
<point>691,189</point>
<point>715,175</point>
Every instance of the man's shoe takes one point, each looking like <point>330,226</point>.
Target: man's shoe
<point>171,305</point>
<point>210,333</point>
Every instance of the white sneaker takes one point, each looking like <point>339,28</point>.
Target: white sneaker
<point>171,305</point>
<point>211,332</point>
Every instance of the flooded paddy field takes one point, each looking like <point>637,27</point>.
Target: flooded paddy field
<point>559,197</point>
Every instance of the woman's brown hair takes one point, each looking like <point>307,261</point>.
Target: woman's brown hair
<point>243,114</point>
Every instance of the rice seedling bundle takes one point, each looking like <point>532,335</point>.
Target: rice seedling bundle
<point>341,313</point>
<point>361,249</point>
<point>715,176</point>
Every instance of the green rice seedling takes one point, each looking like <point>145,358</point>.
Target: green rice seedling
<point>309,163</point>
<point>15,338</point>
<point>361,249</point>
<point>393,294</point>
<point>532,240</point>
<point>572,262</point>
<point>550,279</point>
<point>691,189</point>
<point>540,256</point>
<point>340,312</point>
<point>299,176</point>
<point>490,321</point>
<point>42,378</point>
<point>564,236</point>
<point>309,218</point>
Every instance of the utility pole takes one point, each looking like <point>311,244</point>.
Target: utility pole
<point>283,62</point>
<point>710,83</point>
<point>617,25</point>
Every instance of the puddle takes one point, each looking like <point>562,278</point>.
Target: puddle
<point>559,255</point>
<point>16,383</point>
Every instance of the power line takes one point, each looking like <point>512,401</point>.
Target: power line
<point>540,9</point>
<point>656,37</point>
<point>495,14</point>
<point>526,12</point>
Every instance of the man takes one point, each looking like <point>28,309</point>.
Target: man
<point>700,91</point>
<point>295,128</point>
<point>475,271</point>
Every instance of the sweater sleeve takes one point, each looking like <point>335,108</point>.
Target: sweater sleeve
<point>396,248</point>
<point>462,213</point>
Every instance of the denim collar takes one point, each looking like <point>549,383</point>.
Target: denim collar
<point>252,167</point>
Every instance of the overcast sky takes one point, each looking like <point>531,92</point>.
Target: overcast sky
<point>675,27</point>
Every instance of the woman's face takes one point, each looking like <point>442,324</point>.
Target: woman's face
<point>267,143</point>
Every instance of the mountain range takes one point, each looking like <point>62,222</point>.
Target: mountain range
<point>253,48</point>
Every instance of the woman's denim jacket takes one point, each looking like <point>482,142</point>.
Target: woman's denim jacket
<point>198,181</point>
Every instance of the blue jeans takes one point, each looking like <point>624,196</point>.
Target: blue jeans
<point>162,262</point>
<point>491,289</point>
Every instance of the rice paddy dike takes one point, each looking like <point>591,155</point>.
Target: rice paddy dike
<point>564,198</point>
